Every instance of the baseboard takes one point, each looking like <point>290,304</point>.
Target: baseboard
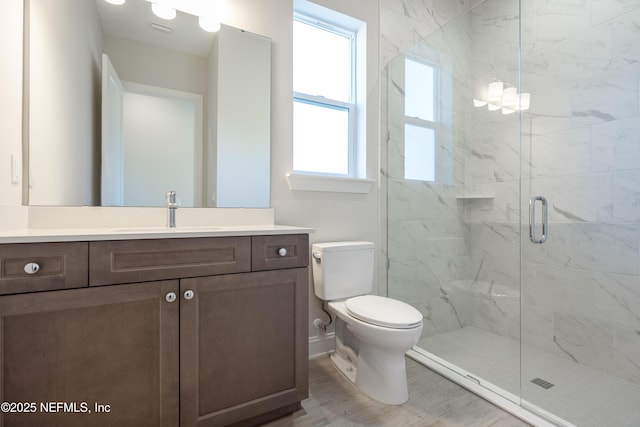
<point>320,345</point>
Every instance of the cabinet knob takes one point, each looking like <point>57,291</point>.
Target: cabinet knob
<point>188,294</point>
<point>171,297</point>
<point>282,251</point>
<point>31,268</point>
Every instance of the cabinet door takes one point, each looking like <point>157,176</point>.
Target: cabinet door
<point>243,347</point>
<point>68,351</point>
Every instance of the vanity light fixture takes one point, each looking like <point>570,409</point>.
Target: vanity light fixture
<point>494,93</point>
<point>116,2</point>
<point>209,24</point>
<point>524,100</point>
<point>209,12</point>
<point>509,100</point>
<point>503,96</point>
<point>509,97</point>
<point>163,11</point>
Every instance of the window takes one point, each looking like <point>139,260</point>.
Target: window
<point>420,121</point>
<point>419,153</point>
<point>324,109</point>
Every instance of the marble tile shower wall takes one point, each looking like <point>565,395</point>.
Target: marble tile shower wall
<point>492,169</point>
<point>581,289</point>
<point>436,238</point>
<point>403,23</point>
<point>580,149</point>
<point>426,243</point>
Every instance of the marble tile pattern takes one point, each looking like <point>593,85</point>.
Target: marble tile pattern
<point>578,145</point>
<point>581,288</point>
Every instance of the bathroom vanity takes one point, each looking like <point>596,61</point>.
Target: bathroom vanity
<point>152,329</point>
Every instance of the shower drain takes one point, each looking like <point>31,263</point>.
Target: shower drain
<point>542,383</point>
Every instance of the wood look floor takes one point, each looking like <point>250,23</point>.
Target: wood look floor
<point>434,401</point>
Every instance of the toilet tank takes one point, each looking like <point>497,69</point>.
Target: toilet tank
<point>342,269</point>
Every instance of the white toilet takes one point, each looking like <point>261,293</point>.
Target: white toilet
<point>372,333</point>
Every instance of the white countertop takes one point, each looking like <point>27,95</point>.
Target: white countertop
<point>36,235</point>
<point>34,224</point>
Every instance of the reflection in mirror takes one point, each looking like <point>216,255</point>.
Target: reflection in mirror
<point>224,148</point>
<point>163,133</point>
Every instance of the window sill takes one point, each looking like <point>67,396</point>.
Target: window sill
<point>303,182</point>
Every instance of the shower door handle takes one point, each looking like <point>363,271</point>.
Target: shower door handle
<point>532,219</point>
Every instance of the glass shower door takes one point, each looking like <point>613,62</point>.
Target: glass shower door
<point>581,151</point>
<point>453,178</point>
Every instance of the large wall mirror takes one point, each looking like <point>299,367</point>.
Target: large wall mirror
<point>123,106</point>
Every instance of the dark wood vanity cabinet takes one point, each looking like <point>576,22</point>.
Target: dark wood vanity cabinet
<point>61,265</point>
<point>115,346</point>
<point>190,347</point>
<point>243,347</point>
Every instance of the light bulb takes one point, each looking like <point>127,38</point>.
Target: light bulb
<point>524,99</point>
<point>209,24</point>
<point>494,93</point>
<point>509,97</point>
<point>163,11</point>
<point>118,2</point>
<point>493,107</point>
<point>479,103</point>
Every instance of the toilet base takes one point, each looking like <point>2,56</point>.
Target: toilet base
<point>345,367</point>
<point>387,385</point>
<point>374,370</point>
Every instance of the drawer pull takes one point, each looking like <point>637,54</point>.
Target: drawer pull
<point>282,251</point>
<point>31,268</point>
<point>188,294</point>
<point>171,297</point>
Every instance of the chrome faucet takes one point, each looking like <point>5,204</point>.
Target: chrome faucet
<point>172,206</point>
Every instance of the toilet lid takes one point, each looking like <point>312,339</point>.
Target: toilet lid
<point>383,311</point>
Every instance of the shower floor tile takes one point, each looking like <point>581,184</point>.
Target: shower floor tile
<point>581,395</point>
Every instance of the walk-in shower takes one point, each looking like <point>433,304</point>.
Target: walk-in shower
<point>513,203</point>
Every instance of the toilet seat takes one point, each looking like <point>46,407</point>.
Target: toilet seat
<point>385,312</point>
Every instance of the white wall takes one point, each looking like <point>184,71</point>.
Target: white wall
<point>11,99</point>
<point>156,66</point>
<point>60,174</point>
<point>160,146</point>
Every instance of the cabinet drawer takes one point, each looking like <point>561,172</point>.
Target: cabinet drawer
<point>281,251</point>
<point>59,266</point>
<point>128,261</point>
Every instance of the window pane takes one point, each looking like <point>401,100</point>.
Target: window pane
<point>419,90</point>
<point>321,62</point>
<point>320,138</point>
<point>419,153</point>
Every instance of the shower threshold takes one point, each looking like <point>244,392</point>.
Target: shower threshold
<point>554,389</point>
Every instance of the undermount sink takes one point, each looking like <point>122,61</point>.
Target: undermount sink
<point>178,229</point>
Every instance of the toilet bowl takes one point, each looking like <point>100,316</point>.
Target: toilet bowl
<point>373,333</point>
<point>379,370</point>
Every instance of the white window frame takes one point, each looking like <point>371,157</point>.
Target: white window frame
<point>324,102</point>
